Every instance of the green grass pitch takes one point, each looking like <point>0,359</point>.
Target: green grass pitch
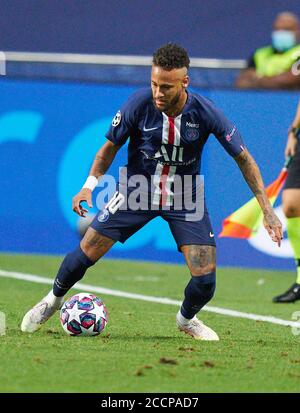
<point>141,349</point>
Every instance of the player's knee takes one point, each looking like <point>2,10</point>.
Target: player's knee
<point>201,259</point>
<point>200,269</point>
<point>89,251</point>
<point>95,245</point>
<point>290,210</point>
<point>86,248</point>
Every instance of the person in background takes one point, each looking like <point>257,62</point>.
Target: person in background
<point>270,67</point>
<point>291,206</point>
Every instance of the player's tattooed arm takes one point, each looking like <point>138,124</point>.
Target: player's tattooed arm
<point>102,162</point>
<point>103,159</point>
<point>253,177</point>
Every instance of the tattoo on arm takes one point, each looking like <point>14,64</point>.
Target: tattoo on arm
<point>253,178</point>
<point>102,164</point>
<point>103,159</point>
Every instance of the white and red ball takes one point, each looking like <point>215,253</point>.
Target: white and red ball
<point>83,314</point>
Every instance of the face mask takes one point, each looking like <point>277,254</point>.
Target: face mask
<point>283,40</point>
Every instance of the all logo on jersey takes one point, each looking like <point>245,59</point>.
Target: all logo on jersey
<point>117,119</point>
<point>177,154</point>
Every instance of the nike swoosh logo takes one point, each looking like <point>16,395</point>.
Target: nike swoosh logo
<point>148,129</point>
<point>211,235</point>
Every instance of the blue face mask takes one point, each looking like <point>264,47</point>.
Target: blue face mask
<point>283,40</point>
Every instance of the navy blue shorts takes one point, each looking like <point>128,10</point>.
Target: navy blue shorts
<point>124,223</point>
<point>293,178</point>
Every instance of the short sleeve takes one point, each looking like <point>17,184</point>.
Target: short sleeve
<point>122,124</point>
<point>226,132</point>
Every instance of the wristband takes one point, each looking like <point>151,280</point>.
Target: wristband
<point>91,183</point>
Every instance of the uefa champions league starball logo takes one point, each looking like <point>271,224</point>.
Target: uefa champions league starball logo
<point>83,314</point>
<point>117,119</point>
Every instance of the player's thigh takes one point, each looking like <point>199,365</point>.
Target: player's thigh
<point>291,202</point>
<point>95,245</point>
<point>201,259</point>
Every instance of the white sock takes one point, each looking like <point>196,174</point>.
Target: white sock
<point>53,300</point>
<point>181,319</point>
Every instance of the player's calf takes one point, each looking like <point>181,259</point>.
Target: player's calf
<point>72,269</point>
<point>198,292</point>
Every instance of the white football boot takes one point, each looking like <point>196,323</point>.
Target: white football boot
<point>41,312</point>
<point>195,328</point>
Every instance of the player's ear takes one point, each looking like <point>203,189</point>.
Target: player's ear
<point>185,82</point>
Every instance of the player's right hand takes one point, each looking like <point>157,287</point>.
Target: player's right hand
<point>85,195</point>
<point>290,148</point>
<point>274,226</point>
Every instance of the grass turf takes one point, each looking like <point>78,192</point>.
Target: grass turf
<point>141,350</point>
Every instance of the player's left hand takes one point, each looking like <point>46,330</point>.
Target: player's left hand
<point>274,226</point>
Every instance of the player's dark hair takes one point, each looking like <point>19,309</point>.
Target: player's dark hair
<point>171,56</point>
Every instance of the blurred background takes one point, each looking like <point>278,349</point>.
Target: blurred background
<point>69,65</point>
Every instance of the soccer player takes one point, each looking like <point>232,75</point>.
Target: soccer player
<point>168,126</point>
<point>291,206</point>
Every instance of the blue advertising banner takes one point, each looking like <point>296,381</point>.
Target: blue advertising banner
<point>50,132</point>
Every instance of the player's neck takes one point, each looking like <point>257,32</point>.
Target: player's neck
<point>177,109</point>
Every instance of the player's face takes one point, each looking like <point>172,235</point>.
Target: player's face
<point>168,87</point>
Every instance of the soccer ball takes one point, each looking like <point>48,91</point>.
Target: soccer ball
<point>83,314</point>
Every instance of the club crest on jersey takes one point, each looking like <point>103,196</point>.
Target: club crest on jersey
<point>117,119</point>
<point>192,134</point>
<point>103,216</point>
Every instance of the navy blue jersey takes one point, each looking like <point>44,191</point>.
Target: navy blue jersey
<point>164,146</point>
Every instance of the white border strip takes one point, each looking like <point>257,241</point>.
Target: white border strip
<point>160,300</point>
<point>130,60</point>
